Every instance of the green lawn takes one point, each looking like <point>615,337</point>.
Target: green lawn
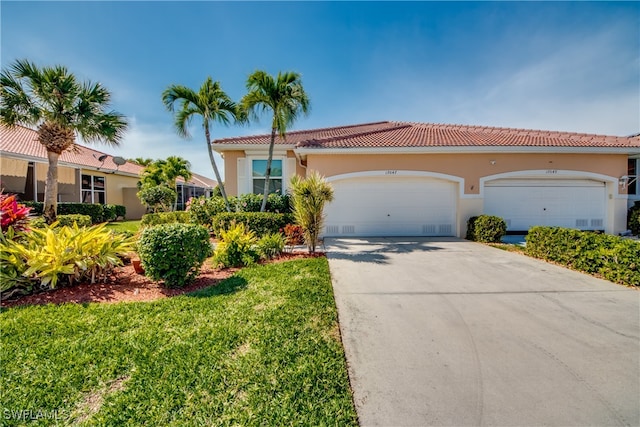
<point>262,348</point>
<point>130,226</point>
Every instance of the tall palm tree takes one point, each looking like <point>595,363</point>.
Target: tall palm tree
<point>61,107</point>
<point>210,102</point>
<point>175,167</point>
<point>286,99</point>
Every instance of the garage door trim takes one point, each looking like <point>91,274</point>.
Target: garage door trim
<point>397,172</point>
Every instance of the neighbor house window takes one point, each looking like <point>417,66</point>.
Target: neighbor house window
<point>93,189</point>
<point>633,177</point>
<point>259,168</point>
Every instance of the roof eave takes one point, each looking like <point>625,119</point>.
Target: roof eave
<point>469,149</point>
<point>221,148</point>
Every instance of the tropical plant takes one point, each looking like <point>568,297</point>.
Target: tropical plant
<point>271,245</point>
<point>12,213</point>
<point>141,161</point>
<point>285,97</point>
<point>175,167</point>
<point>309,196</point>
<point>236,247</point>
<point>210,102</point>
<point>52,99</point>
<point>73,254</point>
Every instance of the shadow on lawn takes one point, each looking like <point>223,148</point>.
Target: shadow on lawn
<point>228,286</point>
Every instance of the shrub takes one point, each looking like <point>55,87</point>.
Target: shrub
<point>12,213</point>
<point>158,198</point>
<point>278,203</point>
<point>293,234</point>
<point>308,198</point>
<point>203,209</point>
<point>471,225</point>
<point>633,218</point>
<point>237,247</point>
<point>165,218</point>
<point>121,211</point>
<point>37,208</point>
<point>248,203</point>
<point>612,257</point>
<point>174,253</point>
<point>486,228</point>
<point>271,245</point>
<point>71,254</point>
<point>63,221</point>
<point>260,223</point>
<point>95,211</point>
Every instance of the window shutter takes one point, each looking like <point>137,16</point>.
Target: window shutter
<point>242,176</point>
<point>290,171</point>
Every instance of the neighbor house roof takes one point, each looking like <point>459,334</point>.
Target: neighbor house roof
<point>22,142</point>
<point>405,134</point>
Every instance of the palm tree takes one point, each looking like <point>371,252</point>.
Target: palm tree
<point>175,167</point>
<point>210,102</point>
<point>286,99</point>
<point>141,161</point>
<point>61,107</point>
<point>309,195</point>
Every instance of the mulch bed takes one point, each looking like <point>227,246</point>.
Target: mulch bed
<point>127,285</point>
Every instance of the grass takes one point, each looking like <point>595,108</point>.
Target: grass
<point>128,226</point>
<point>261,348</point>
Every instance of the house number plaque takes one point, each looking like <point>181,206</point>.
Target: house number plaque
<point>391,172</point>
<point>552,171</point>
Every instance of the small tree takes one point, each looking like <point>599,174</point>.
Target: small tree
<point>309,196</point>
<point>158,198</point>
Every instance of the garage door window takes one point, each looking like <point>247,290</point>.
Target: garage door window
<point>259,170</point>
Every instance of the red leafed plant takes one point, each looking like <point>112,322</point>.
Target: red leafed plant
<point>13,214</point>
<point>293,234</point>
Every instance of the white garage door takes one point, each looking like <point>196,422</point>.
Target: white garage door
<point>524,203</point>
<point>392,206</point>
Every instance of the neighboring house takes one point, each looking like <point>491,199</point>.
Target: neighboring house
<point>84,174</point>
<point>416,179</point>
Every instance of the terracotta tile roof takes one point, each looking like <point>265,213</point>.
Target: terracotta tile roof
<point>23,142</point>
<point>404,134</point>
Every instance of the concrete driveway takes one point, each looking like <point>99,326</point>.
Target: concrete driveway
<point>450,332</point>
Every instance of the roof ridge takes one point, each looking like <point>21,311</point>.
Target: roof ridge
<point>317,142</point>
<point>297,132</point>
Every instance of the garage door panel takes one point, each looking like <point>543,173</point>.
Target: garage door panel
<point>391,206</point>
<point>563,203</point>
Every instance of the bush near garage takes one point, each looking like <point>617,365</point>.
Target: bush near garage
<point>159,218</point>
<point>612,257</point>
<point>174,253</point>
<point>486,228</point>
<point>260,223</point>
<point>633,218</point>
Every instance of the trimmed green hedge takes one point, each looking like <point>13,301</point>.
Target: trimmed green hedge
<point>165,218</point>
<point>64,221</point>
<point>98,213</point>
<point>261,223</point>
<point>614,258</point>
<point>486,228</point>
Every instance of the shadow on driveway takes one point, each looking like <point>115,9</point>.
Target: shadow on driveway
<point>375,249</point>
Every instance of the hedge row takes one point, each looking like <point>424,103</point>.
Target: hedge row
<point>486,228</point>
<point>98,213</point>
<point>165,218</point>
<point>261,223</point>
<point>612,257</point>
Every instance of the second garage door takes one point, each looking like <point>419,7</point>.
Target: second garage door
<point>524,203</point>
<point>392,206</point>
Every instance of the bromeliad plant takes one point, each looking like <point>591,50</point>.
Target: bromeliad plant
<point>45,257</point>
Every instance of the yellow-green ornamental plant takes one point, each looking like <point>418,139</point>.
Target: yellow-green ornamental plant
<point>309,196</point>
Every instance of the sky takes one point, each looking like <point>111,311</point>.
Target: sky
<point>539,65</point>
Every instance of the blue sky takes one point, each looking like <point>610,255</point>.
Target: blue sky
<point>541,65</point>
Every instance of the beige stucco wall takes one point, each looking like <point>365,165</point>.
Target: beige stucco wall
<point>121,190</point>
<point>470,167</point>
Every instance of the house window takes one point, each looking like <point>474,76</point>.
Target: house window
<point>93,189</point>
<point>633,177</point>
<point>259,168</point>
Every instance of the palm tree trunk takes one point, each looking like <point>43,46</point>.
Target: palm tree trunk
<point>215,169</point>
<point>267,175</point>
<point>51,189</point>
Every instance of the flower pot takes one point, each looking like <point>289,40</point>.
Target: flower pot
<point>137,266</point>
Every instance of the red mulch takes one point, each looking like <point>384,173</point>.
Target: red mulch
<point>126,285</point>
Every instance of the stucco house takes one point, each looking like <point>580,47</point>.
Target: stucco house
<point>84,174</point>
<point>418,179</point>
